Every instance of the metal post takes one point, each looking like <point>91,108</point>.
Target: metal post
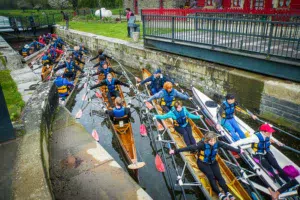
<point>213,32</point>
<point>196,21</point>
<point>270,38</point>
<point>173,28</point>
<point>144,32</point>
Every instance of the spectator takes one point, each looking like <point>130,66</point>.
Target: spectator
<point>128,14</point>
<point>194,4</point>
<point>66,18</point>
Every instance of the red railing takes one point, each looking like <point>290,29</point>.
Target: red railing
<point>185,12</point>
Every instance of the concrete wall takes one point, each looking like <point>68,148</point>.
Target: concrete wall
<point>13,58</point>
<point>32,179</point>
<point>143,4</point>
<point>254,91</point>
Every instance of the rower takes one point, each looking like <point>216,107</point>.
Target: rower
<point>46,71</point>
<point>25,50</point>
<point>77,55</point>
<point>59,42</point>
<point>42,40</point>
<point>71,68</point>
<point>111,84</point>
<point>157,80</point>
<point>62,85</point>
<point>293,183</point>
<point>180,115</point>
<point>36,45</point>
<point>119,114</point>
<point>46,58</point>
<point>207,149</point>
<point>100,63</point>
<point>82,49</point>
<point>54,52</point>
<point>100,53</point>
<point>261,142</point>
<point>226,117</point>
<point>167,96</point>
<point>106,70</point>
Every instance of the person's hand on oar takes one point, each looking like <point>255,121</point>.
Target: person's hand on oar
<point>254,117</point>
<point>172,152</point>
<point>190,98</point>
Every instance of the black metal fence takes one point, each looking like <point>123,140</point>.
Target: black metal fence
<point>259,36</point>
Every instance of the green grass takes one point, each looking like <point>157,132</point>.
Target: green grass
<point>115,11</point>
<point>12,97</point>
<point>114,30</point>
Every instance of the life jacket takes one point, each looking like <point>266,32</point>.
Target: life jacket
<point>53,53</point>
<point>181,118</point>
<point>45,59</point>
<point>106,71</point>
<point>25,52</point>
<point>111,85</point>
<point>263,145</point>
<point>76,54</point>
<point>228,110</point>
<point>118,113</point>
<point>157,83</point>
<point>61,88</point>
<point>168,99</point>
<point>69,66</point>
<point>208,155</point>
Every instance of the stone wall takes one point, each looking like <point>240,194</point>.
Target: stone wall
<point>32,179</point>
<point>143,4</point>
<point>252,90</point>
<point>9,58</point>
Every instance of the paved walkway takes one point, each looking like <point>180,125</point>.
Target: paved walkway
<point>82,169</point>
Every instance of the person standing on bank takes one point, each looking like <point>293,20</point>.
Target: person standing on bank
<point>207,153</point>
<point>128,14</point>
<point>66,18</point>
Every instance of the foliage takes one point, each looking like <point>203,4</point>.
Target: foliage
<point>111,3</point>
<point>12,97</point>
<point>59,4</point>
<point>88,4</point>
<point>74,4</point>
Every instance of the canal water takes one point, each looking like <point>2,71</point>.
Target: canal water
<point>154,182</point>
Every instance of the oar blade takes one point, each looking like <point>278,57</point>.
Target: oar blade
<point>85,85</point>
<point>99,95</point>
<point>159,164</point>
<point>136,165</point>
<point>95,135</point>
<point>143,130</point>
<point>84,97</point>
<point>79,114</point>
<point>149,105</point>
<point>159,126</point>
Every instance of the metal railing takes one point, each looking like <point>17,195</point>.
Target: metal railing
<point>263,37</point>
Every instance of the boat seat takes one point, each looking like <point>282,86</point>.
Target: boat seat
<point>122,130</point>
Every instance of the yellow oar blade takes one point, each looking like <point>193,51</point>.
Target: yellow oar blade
<point>136,165</point>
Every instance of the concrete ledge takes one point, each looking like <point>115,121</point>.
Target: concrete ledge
<point>31,179</point>
<point>82,169</point>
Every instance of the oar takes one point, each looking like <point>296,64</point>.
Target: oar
<point>290,148</point>
<point>264,122</point>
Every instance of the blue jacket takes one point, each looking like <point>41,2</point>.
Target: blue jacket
<point>160,94</point>
<point>151,78</point>
<point>59,82</point>
<point>171,114</point>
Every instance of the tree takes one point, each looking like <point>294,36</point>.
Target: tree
<point>74,4</point>
<point>59,4</point>
<point>23,4</point>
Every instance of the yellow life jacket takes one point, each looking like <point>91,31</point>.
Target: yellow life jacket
<point>63,89</point>
<point>168,99</point>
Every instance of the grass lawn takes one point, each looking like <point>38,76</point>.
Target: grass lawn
<point>12,97</point>
<point>27,12</point>
<point>114,30</point>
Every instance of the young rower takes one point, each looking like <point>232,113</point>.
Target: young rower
<point>207,151</point>
<point>119,112</point>
<point>157,80</point>
<point>167,96</point>
<point>261,142</point>
<point>77,55</point>
<point>226,117</point>
<point>46,58</point>
<point>106,70</point>
<point>100,53</point>
<point>26,50</point>
<point>54,52</point>
<point>180,115</point>
<point>285,187</point>
<point>62,85</point>
<point>111,84</point>
<point>71,68</point>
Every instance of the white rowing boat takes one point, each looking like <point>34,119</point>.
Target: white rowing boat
<point>211,109</point>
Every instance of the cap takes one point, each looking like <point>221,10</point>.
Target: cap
<point>229,96</point>
<point>157,71</point>
<point>266,128</point>
<point>210,135</point>
<point>26,46</point>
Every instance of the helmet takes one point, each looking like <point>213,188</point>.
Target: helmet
<point>26,46</point>
<point>59,73</point>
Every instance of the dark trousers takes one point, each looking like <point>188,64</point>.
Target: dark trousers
<point>187,134</point>
<point>70,75</point>
<point>112,94</point>
<point>128,31</point>
<point>268,161</point>
<point>288,185</point>
<point>213,173</point>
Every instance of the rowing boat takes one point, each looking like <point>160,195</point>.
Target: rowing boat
<point>211,108</point>
<point>123,131</point>
<point>191,159</point>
